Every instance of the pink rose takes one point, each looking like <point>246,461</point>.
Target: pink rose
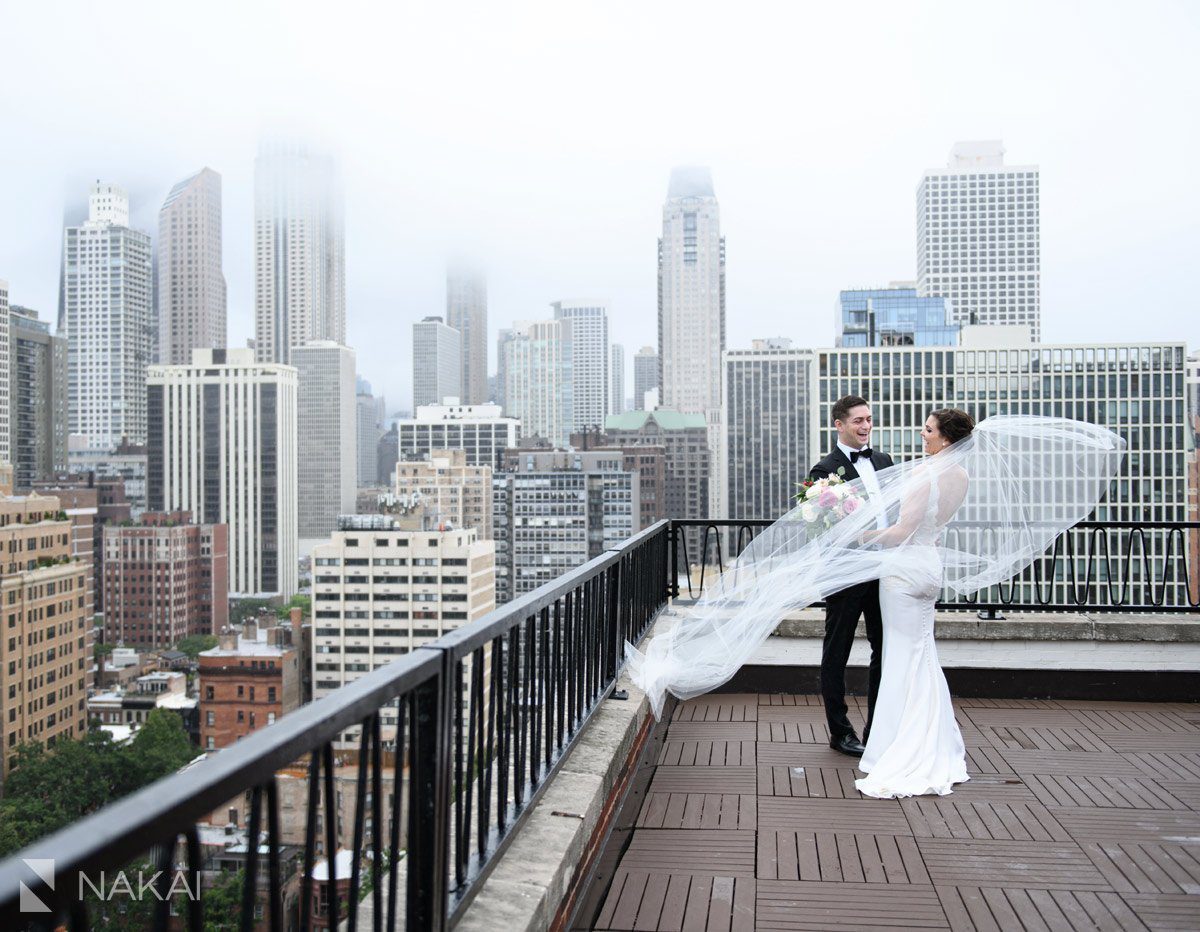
<point>828,499</point>
<point>849,506</point>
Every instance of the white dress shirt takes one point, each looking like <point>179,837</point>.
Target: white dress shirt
<point>866,472</point>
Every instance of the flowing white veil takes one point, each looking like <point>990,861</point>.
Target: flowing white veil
<point>974,515</point>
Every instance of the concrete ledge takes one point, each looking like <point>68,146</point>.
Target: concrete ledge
<point>1031,627</point>
<point>533,876</point>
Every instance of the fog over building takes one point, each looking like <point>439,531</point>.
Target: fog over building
<point>590,359</point>
<point>538,371</point>
<point>466,312</point>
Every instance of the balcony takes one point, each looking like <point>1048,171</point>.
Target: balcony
<point>537,791</point>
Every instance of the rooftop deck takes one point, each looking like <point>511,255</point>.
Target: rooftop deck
<point>1078,815</point>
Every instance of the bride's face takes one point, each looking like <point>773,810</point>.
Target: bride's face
<point>932,437</point>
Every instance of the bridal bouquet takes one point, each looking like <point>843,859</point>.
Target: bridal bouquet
<point>825,502</point>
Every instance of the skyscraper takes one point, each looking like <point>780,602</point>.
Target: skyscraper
<point>6,427</point>
<point>370,430</point>
<point>437,362</point>
<point>299,250</point>
<point>190,286</point>
<point>327,421</point>
<point>691,295</point>
<point>539,379</point>
<point>645,375</point>
<point>503,336</point>
<point>590,358</point>
<point>979,237</point>
<point>223,446</point>
<point>466,312</point>
<point>109,321</point>
<point>37,397</point>
<point>616,374</point>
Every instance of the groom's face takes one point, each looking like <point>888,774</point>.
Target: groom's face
<point>855,430</point>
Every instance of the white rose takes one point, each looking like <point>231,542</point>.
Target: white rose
<point>808,512</point>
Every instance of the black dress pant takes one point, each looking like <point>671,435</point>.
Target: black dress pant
<point>842,611</point>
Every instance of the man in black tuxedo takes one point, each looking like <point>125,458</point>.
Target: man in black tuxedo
<point>852,458</point>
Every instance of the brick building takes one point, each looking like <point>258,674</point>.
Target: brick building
<point>248,681</point>
<point>165,579</point>
<point>649,461</point>
<point>45,630</point>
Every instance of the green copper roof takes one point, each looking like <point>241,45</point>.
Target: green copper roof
<point>664,417</point>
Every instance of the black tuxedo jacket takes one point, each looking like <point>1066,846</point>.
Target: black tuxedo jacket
<point>839,460</point>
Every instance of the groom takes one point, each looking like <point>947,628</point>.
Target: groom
<point>851,459</point>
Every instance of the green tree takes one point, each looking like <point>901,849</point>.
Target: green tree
<point>302,602</point>
<point>161,746</point>
<point>222,901</point>
<point>193,644</point>
<point>242,609</point>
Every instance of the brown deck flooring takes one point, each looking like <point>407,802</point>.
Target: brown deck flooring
<point>1078,815</point>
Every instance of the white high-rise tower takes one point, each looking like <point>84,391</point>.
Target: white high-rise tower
<point>979,237</point>
<point>190,286</point>
<point>108,313</point>
<point>691,295</point>
<point>590,359</point>
<point>299,250</point>
<point>466,312</point>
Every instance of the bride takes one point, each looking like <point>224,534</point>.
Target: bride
<point>980,507</point>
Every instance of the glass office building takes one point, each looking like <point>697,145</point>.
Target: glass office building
<point>893,317</point>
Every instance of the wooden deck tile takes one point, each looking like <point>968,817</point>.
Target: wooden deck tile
<point>1160,911</point>
<point>691,851</point>
<point>703,780</point>
<point>998,909</point>
<point>946,817</point>
<point>1069,762</point>
<point>793,699</point>
<point>797,905</point>
<point>810,714</point>
<point>645,900</point>
<point>1137,721</point>
<point>821,782</point>
<point>1047,865</point>
<point>993,787</point>
<point>1129,824</point>
<point>871,816</point>
<point>699,810</point>
<point>794,732</point>
<point>839,856</point>
<point>1147,867</point>
<point>1167,765</point>
<point>707,752</point>
<point>685,731</point>
<point>1049,738</point>
<point>1103,792</point>
<point>719,707</point>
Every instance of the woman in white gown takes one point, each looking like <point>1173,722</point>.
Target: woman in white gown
<point>975,513</point>
<point>915,746</point>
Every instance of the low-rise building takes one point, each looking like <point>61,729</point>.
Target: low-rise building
<point>128,708</point>
<point>250,679</point>
<point>455,493</point>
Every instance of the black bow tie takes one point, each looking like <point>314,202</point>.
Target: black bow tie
<point>863,454</point>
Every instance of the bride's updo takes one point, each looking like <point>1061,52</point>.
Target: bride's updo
<point>953,424</point>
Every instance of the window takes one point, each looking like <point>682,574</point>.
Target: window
<point>211,719</point>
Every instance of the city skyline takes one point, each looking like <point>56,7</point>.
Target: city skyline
<point>805,220</point>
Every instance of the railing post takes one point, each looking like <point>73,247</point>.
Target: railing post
<point>673,569</point>
<point>612,623</point>
<point>429,803</point>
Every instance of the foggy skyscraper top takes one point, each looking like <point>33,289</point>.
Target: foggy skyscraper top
<point>299,249</point>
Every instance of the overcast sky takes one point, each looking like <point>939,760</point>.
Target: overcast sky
<point>540,138</point>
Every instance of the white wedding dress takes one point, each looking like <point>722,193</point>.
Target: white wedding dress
<point>915,746</point>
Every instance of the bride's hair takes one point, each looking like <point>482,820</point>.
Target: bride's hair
<point>953,424</point>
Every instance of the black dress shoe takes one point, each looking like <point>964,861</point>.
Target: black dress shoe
<point>848,744</point>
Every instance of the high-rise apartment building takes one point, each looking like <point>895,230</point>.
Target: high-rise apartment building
<point>327,422</point>
<point>691,295</point>
<point>649,462</point>
<point>37,398</point>
<point>616,372</point>
<point>109,317</point>
<point>6,426</point>
<point>223,448</point>
<point>453,492</point>
<point>555,510</point>
<point>437,362</point>
<point>979,237</point>
<point>590,360</point>
<point>481,430</point>
<point>893,316</point>
<point>688,458</point>
<point>538,372</point>
<point>503,337</point>
<point>645,375</point>
<point>165,579</point>
<point>299,250</point>
<point>45,650</point>
<point>769,421</point>
<point>383,587</point>
<point>189,282</point>
<point>466,312</point>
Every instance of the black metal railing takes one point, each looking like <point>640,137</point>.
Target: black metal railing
<point>474,723</point>
<point>1108,566</point>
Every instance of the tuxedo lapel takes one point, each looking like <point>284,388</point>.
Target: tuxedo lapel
<point>842,461</point>
<point>878,459</point>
